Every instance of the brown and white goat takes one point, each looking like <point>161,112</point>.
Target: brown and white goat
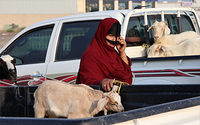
<point>58,99</point>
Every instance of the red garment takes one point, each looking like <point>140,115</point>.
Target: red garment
<point>101,61</point>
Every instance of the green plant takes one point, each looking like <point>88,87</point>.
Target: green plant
<point>9,30</point>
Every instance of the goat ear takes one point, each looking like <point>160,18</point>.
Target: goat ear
<point>115,88</point>
<point>158,47</point>
<point>163,48</point>
<point>105,94</point>
<point>167,30</point>
<point>101,103</point>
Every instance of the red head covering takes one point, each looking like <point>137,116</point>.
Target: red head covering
<point>101,61</point>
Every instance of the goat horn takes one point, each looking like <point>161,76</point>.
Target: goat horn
<point>165,23</point>
<point>149,29</point>
<point>154,21</point>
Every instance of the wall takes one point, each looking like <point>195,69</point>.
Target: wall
<point>26,12</point>
<point>25,20</point>
<point>38,6</point>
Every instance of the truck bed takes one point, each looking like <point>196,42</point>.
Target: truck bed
<point>138,100</point>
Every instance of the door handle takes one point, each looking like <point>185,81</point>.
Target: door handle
<point>36,76</point>
<point>145,63</point>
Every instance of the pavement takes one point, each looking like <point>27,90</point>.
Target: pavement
<point>5,37</point>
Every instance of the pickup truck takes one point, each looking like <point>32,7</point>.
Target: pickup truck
<point>165,90</point>
<point>53,48</point>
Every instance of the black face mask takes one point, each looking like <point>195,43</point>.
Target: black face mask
<point>115,31</point>
<point>112,42</point>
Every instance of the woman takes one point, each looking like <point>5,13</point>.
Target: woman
<point>101,63</point>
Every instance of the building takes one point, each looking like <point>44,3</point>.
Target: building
<point>26,12</point>
<point>169,3</point>
<point>195,4</point>
<point>102,5</point>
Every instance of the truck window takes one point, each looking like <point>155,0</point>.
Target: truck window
<point>75,38</point>
<point>194,21</point>
<point>135,34</point>
<point>32,46</point>
<point>186,23</point>
<point>174,25</point>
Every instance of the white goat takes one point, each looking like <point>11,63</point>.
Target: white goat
<point>187,47</point>
<point>174,39</point>
<point>160,29</point>
<point>58,99</point>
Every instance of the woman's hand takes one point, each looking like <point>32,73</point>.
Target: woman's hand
<point>107,84</point>
<point>121,46</point>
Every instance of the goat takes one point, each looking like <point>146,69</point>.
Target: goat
<point>7,68</point>
<point>58,99</point>
<point>187,47</point>
<point>160,29</point>
<point>174,39</point>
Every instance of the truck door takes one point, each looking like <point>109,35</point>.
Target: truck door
<point>31,49</point>
<point>73,40</point>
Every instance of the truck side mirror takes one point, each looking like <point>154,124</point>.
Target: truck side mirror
<point>19,61</point>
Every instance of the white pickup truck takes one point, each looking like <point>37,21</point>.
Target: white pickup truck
<point>54,47</point>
